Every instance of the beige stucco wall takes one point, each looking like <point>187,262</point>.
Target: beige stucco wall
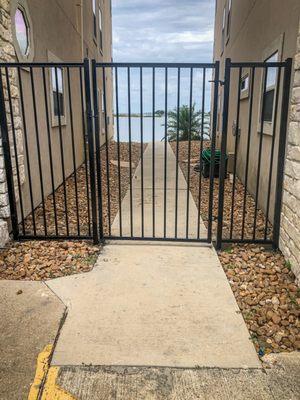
<point>57,29</point>
<point>255,27</point>
<point>290,216</point>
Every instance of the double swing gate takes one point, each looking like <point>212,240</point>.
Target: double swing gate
<point>114,150</point>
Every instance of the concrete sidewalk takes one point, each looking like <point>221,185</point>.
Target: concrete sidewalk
<point>164,190</point>
<point>154,304</point>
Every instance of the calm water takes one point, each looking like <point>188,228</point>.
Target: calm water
<point>136,129</point>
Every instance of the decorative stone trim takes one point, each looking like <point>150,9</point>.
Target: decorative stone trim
<point>290,216</point>
<point>7,53</point>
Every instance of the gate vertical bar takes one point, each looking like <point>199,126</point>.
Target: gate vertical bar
<point>89,123</point>
<point>213,149</point>
<point>223,152</point>
<point>281,149</point>
<point>97,144</point>
<point>8,164</point>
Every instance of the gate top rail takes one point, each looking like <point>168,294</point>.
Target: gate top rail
<point>258,64</point>
<point>155,65</point>
<point>40,64</point>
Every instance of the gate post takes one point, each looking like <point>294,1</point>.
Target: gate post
<point>213,148</point>
<point>89,124</point>
<point>281,149</point>
<point>223,152</point>
<point>8,163</point>
<point>97,142</point>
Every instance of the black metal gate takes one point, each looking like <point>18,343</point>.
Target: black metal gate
<point>114,150</point>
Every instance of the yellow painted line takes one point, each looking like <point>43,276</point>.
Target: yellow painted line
<point>51,390</point>
<point>41,371</point>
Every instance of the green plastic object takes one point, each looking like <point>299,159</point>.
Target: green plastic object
<point>206,156</point>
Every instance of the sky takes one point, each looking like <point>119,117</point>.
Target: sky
<point>162,31</point>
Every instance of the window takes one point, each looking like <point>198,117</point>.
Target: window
<point>57,91</point>
<point>269,96</point>
<point>100,29</point>
<point>223,28</point>
<point>22,30</point>
<point>245,83</point>
<point>228,20</point>
<point>94,19</point>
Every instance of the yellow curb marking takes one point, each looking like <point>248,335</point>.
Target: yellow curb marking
<point>51,390</point>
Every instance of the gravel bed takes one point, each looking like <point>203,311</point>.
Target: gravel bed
<point>267,295</point>
<point>196,178</point>
<point>40,260</point>
<point>261,280</point>
<point>83,210</point>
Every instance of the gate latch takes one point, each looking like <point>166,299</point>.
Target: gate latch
<point>222,83</point>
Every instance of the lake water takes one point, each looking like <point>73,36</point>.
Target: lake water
<point>136,129</point>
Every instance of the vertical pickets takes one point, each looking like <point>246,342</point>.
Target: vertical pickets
<point>12,121</point>
<point>118,151</point>
<point>64,185</point>
<point>272,151</point>
<point>130,155</point>
<point>252,76</point>
<point>50,153</point>
<point>36,125</point>
<point>235,151</point>
<point>177,152</point>
<point>106,150</point>
<point>189,157</point>
<point>201,149</point>
<point>142,150</point>
<point>73,150</point>
<point>89,124</point>
<point>213,149</point>
<point>261,133</point>
<point>85,161</point>
<point>8,163</point>
<point>153,152</point>
<point>166,152</point>
<point>97,144</point>
<point>223,153</point>
<point>281,147</point>
<point>26,149</point>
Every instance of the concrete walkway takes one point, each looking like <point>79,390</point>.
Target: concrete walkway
<point>147,304</point>
<point>160,195</point>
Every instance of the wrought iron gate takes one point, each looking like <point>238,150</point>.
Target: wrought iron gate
<point>114,150</point>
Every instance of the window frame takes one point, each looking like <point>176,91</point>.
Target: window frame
<point>94,11</point>
<point>54,118</point>
<point>223,29</point>
<point>23,7</point>
<point>246,73</point>
<point>100,26</point>
<point>275,47</point>
<point>228,19</point>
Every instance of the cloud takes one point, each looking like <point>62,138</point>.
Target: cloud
<point>165,31</point>
<point>162,31</point>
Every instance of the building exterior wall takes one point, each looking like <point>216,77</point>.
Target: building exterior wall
<point>61,32</point>
<point>7,54</point>
<point>257,28</point>
<point>290,216</point>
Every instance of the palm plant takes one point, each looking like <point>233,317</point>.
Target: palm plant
<point>187,123</point>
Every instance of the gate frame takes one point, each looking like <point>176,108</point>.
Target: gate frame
<point>93,142</point>
<point>286,88</point>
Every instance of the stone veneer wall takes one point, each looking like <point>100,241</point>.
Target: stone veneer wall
<point>7,53</point>
<point>290,216</point>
